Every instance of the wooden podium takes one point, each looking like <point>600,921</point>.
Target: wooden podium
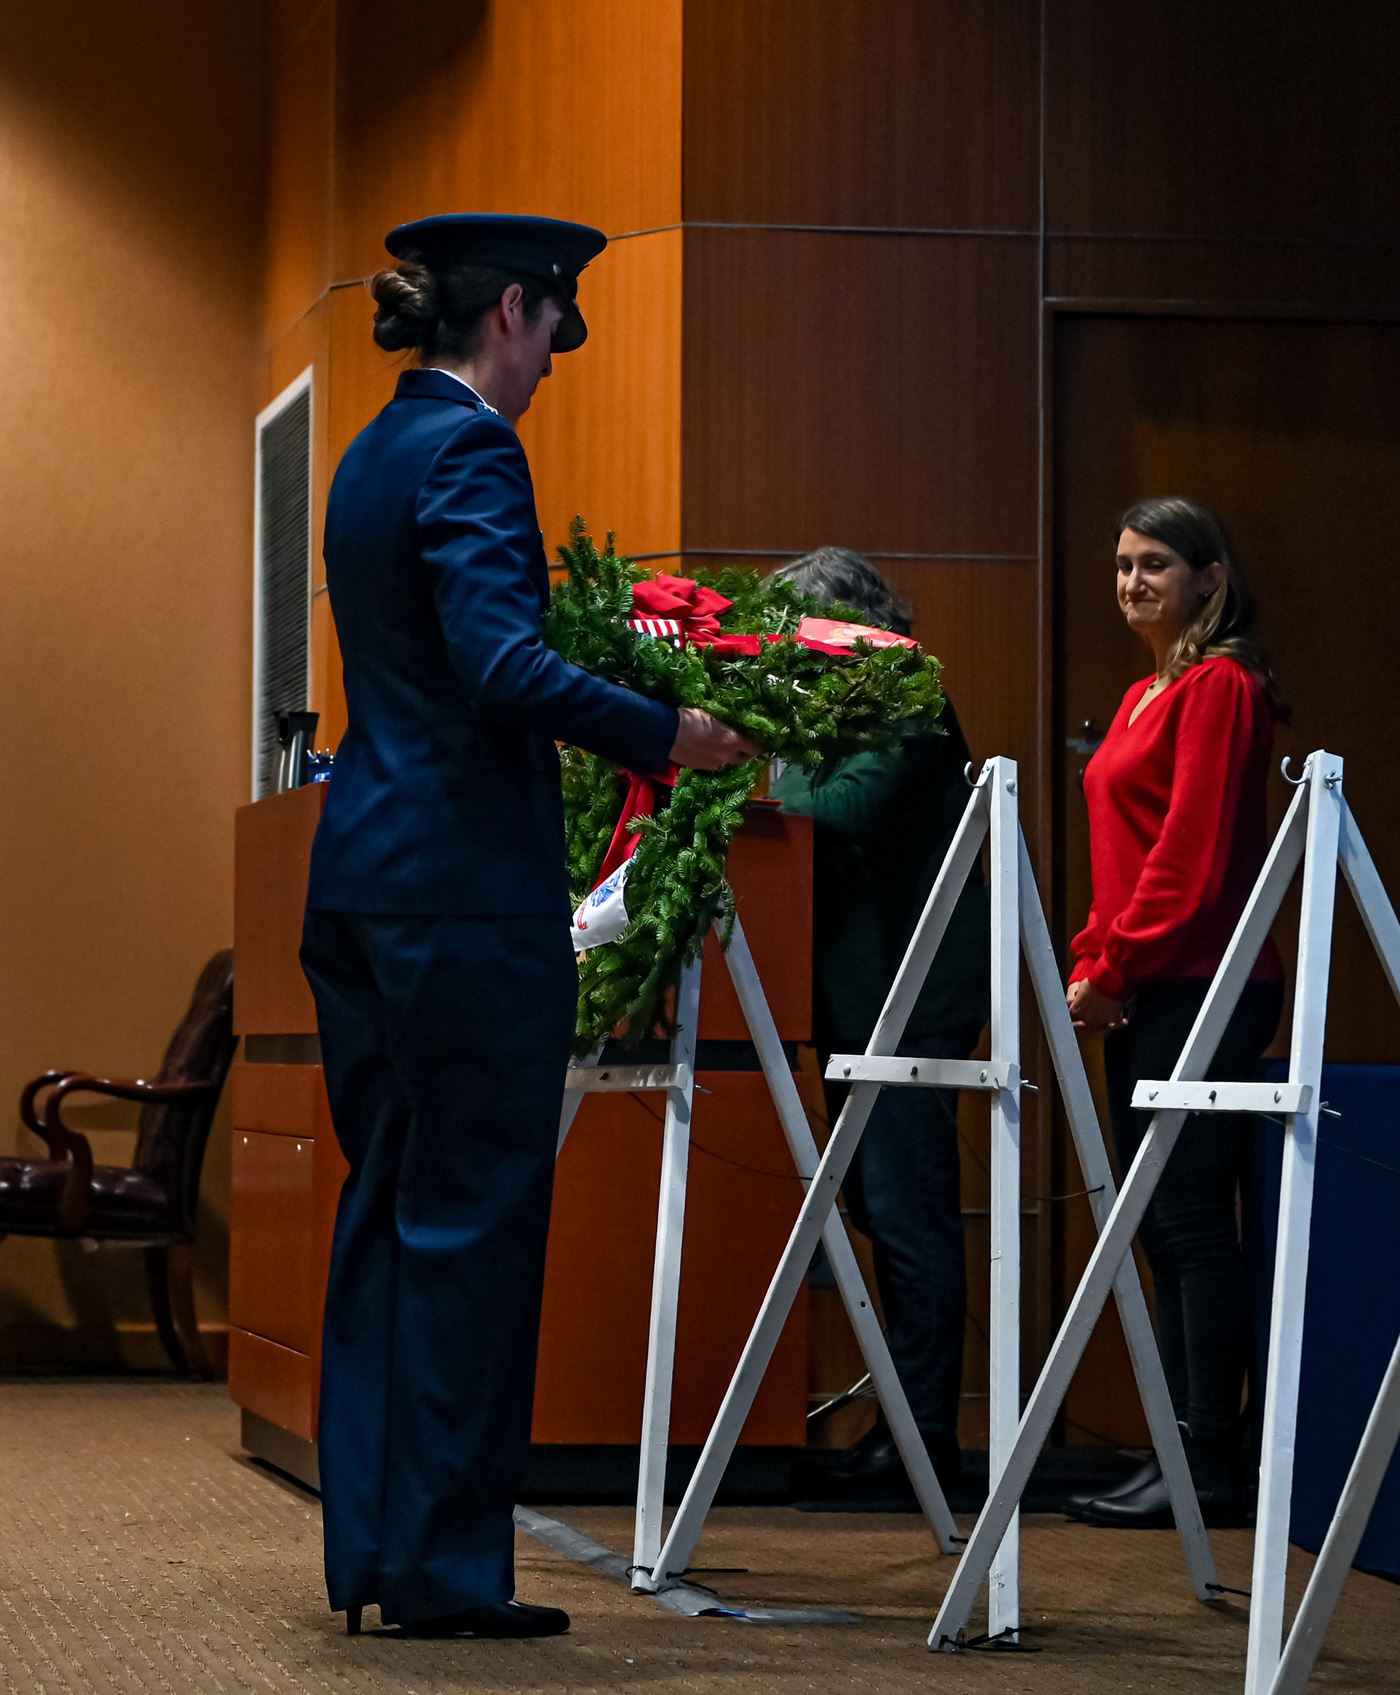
<point>742,1199</point>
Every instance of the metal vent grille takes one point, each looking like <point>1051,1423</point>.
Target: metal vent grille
<point>281,572</point>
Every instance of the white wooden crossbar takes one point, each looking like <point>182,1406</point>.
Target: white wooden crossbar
<point>629,1079</point>
<point>901,1072</point>
<point>1158,1096</point>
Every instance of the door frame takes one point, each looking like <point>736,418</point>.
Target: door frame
<point>1042,808</point>
<point>1053,309</point>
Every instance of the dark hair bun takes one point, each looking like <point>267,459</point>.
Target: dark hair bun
<point>408,313</point>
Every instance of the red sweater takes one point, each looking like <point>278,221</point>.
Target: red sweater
<point>1178,829</point>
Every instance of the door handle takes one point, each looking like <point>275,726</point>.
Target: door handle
<point>1088,741</point>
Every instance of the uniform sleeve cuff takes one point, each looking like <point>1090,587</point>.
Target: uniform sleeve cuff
<point>667,723</point>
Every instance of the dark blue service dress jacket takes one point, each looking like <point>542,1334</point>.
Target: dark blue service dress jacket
<point>446,794</point>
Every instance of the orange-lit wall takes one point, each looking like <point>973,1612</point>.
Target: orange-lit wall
<point>129,196</point>
<point>570,110</point>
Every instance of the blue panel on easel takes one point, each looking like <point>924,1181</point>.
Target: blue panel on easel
<point>1352,1316</point>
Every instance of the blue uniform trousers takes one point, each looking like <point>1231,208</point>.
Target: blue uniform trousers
<point>444,1042</point>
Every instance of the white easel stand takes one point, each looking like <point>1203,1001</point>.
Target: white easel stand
<point>1016,910</point>
<point>1368,1471</point>
<point>677,1080</point>
<point>1318,824</point>
<point>1274,1667</point>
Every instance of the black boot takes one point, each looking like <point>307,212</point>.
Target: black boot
<point>1144,1508</point>
<point>1150,1471</point>
<point>1218,1474</point>
<point>1215,1473</point>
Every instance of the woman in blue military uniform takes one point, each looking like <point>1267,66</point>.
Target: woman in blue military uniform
<point>436,938</point>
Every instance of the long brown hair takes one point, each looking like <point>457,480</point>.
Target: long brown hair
<point>1227,622</point>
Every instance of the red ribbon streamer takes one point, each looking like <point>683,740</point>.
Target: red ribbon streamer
<point>639,802</point>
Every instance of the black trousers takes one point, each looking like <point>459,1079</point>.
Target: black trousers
<point>444,1042</point>
<point>903,1192</point>
<point>1191,1232</point>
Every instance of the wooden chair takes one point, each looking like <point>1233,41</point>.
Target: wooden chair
<point>152,1202</point>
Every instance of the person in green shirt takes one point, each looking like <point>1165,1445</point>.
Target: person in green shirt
<point>882,826</point>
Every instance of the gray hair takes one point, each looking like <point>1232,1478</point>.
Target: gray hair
<point>840,576</point>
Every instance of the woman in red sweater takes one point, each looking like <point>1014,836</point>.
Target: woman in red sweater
<point>1178,831</point>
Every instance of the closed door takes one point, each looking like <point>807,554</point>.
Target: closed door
<point>1291,432</point>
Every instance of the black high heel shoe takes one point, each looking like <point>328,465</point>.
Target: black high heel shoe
<point>495,1619</point>
<point>353,1618</point>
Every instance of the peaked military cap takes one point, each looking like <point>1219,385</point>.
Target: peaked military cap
<point>548,248</point>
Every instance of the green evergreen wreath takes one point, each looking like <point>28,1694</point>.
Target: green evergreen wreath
<point>797,704</point>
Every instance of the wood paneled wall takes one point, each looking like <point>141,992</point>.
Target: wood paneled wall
<point>891,115</point>
<point>1242,123</point>
<point>861,367</point>
<point>378,114</point>
<point>843,237</point>
<point>874,387</point>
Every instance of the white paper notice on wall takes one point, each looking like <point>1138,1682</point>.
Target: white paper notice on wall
<point>602,917</point>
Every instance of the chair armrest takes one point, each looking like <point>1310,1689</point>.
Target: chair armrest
<point>121,1088</point>
<point>28,1108</point>
<point>72,1145</point>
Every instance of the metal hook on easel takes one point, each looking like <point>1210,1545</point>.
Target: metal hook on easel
<point>977,781</point>
<point>1331,780</point>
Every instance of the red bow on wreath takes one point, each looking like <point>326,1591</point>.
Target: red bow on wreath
<point>681,609</point>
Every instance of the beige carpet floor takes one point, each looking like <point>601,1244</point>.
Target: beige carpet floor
<point>140,1552</point>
